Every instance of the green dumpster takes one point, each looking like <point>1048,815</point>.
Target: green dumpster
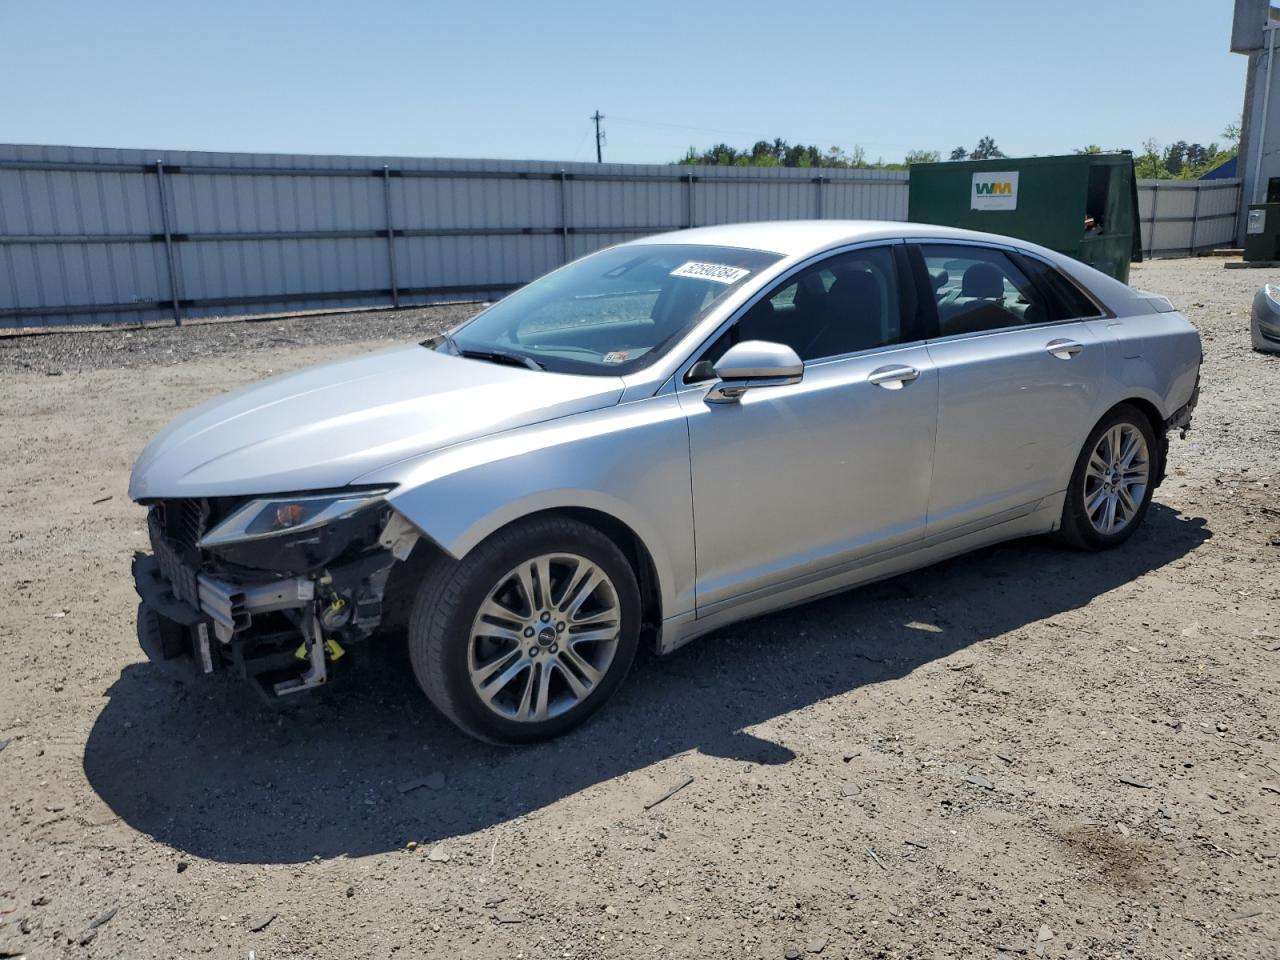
<point>1084,205</point>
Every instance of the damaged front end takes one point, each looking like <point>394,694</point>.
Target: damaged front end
<point>274,588</point>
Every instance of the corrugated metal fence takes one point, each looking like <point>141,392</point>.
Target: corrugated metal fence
<point>98,236</point>
<point>101,236</point>
<point>1182,217</point>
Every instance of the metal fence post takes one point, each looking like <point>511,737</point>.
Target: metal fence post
<point>391,235</point>
<point>1151,235</point>
<point>174,293</point>
<point>1195,220</point>
<point>818,180</point>
<point>564,217</point>
<point>689,191</point>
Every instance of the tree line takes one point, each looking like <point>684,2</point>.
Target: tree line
<point>1180,160</point>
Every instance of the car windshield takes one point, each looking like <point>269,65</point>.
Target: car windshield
<point>610,313</point>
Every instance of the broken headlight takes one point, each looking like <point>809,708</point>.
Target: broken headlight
<point>297,535</point>
<point>278,516</point>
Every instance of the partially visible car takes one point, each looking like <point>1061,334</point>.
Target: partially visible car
<point>1264,319</point>
<point>649,443</point>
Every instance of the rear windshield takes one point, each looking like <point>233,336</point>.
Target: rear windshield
<point>611,313</point>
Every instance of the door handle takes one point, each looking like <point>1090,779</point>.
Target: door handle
<point>1063,349</point>
<point>893,377</point>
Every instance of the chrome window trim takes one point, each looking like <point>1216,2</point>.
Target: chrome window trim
<point>974,334</point>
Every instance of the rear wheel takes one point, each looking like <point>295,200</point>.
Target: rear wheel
<point>529,634</point>
<point>1112,483</point>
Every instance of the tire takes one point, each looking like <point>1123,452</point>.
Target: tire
<point>553,682</point>
<point>1085,512</point>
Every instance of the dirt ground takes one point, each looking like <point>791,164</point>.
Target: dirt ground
<point>1024,752</point>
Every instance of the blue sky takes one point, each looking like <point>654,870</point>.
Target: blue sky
<point>475,78</point>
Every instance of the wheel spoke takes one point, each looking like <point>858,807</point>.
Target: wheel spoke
<point>523,709</point>
<point>1131,448</point>
<point>542,566</point>
<point>492,610</point>
<point>580,689</point>
<point>481,674</point>
<point>1127,501</point>
<point>608,615</point>
<point>576,661</point>
<point>593,636</point>
<point>497,632</point>
<point>584,585</point>
<point>489,691</point>
<point>1109,518</point>
<point>1095,500</point>
<point>1097,468</point>
<point>1114,441</point>
<point>524,576</point>
<point>544,691</point>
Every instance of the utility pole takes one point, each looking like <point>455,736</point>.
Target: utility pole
<point>597,117</point>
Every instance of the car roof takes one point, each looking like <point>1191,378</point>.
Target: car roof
<point>793,238</point>
<point>796,240</point>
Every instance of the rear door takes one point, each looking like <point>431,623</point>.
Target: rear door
<point>1018,384</point>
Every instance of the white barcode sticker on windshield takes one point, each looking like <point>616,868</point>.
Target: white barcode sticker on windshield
<point>719,272</point>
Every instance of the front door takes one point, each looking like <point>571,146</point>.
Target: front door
<point>792,482</point>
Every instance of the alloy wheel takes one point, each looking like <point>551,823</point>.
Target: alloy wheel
<point>1116,478</point>
<point>544,637</point>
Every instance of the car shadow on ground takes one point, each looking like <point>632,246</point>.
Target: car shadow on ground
<point>208,770</point>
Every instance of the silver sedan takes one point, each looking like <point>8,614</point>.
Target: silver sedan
<point>649,443</point>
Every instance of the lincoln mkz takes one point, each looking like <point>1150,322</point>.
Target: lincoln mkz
<point>649,443</point>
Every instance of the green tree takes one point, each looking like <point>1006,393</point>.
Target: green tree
<point>1091,149</point>
<point>1148,165</point>
<point>1180,160</point>
<point>922,156</point>
<point>986,150</point>
<point>780,153</point>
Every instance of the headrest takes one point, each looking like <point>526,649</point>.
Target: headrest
<point>856,289</point>
<point>982,280</point>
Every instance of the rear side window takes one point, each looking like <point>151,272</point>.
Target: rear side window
<point>981,288</point>
<point>1066,300</point>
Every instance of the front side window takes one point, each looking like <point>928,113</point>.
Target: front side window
<point>841,305</point>
<point>980,288</point>
<point>610,313</point>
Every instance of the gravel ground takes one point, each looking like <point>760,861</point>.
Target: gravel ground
<point>58,353</point>
<point>1023,752</point>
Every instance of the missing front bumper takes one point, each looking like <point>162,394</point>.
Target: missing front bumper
<point>215,636</point>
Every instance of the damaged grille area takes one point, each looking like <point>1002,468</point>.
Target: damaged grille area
<point>183,521</point>
<point>181,576</point>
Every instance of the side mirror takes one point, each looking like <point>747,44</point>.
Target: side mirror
<point>753,364</point>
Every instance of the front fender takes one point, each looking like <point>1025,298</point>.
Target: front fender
<point>629,461</point>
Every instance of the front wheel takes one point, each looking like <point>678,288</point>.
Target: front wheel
<point>1112,483</point>
<point>529,634</point>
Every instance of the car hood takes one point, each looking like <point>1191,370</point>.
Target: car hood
<point>325,426</point>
